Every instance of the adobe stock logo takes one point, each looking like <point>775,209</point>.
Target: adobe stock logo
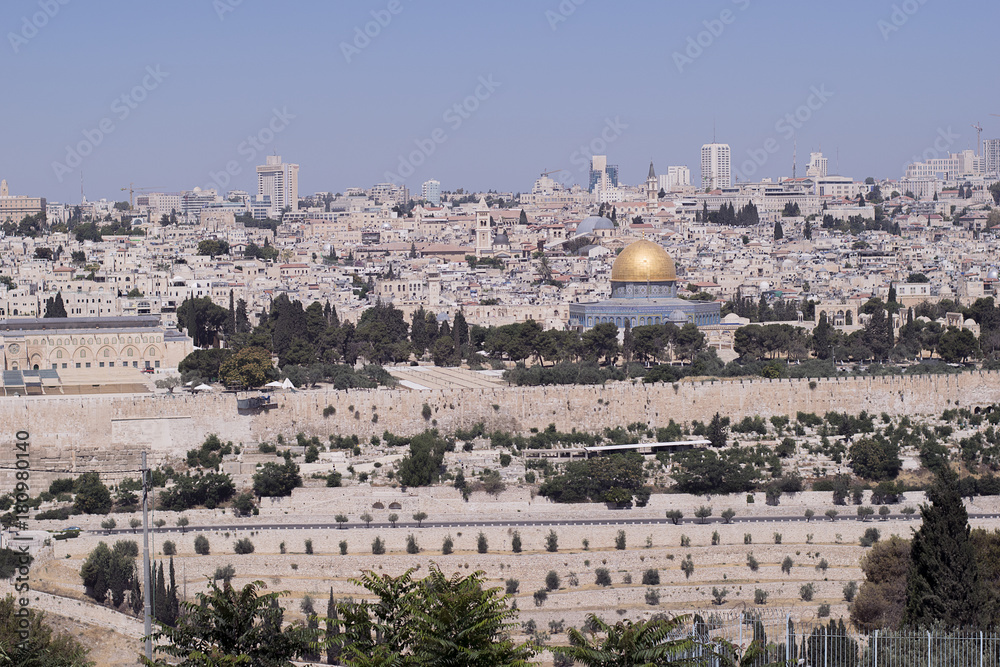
<point>363,36</point>
<point>250,147</point>
<point>562,12</point>
<point>455,116</point>
<point>701,42</point>
<point>31,25</point>
<point>121,108</point>
<point>899,17</point>
<point>785,127</point>
<point>610,133</point>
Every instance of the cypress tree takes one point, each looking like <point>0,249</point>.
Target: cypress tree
<point>231,320</point>
<point>778,232</point>
<point>332,630</point>
<point>716,431</point>
<point>173,604</point>
<point>461,329</point>
<point>135,594</point>
<point>161,608</point>
<point>943,585</point>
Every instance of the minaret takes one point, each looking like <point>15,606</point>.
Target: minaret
<point>484,235</point>
<point>652,192</point>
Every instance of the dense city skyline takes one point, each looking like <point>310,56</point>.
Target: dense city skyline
<point>169,96</point>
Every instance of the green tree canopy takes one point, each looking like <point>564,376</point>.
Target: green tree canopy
<point>92,497</point>
<point>202,319</point>
<point>627,643</point>
<point>54,306</point>
<point>944,585</point>
<point>430,622</point>
<point>250,367</point>
<point>225,626</point>
<point>42,647</point>
<point>272,479</point>
<point>213,247</point>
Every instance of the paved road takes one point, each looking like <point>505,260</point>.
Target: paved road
<point>519,523</point>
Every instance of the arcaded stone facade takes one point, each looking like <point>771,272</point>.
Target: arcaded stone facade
<point>89,344</point>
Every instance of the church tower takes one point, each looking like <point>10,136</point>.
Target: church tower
<point>484,235</point>
<point>652,190</point>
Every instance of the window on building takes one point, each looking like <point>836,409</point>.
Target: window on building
<point>102,364</point>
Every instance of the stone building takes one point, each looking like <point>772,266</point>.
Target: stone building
<point>643,292</point>
<point>83,345</point>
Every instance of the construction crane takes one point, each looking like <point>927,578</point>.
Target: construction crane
<point>979,138</point>
<point>132,190</point>
<point>554,171</point>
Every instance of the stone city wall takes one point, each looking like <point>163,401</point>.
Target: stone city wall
<point>107,432</point>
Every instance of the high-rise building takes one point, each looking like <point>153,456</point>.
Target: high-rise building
<point>280,182</point>
<point>602,175</point>
<point>715,166</point>
<point>991,153</point>
<point>676,177</point>
<point>430,192</point>
<point>817,166</point>
<point>14,208</point>
<point>956,165</point>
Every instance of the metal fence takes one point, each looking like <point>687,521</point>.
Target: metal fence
<point>831,643</point>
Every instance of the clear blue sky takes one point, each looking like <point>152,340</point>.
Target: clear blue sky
<point>553,89</point>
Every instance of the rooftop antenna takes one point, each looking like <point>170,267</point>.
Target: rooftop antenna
<point>713,130</point>
<point>795,147</point>
<point>838,158</point>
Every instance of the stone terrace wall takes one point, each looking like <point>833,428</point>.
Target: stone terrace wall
<point>106,433</point>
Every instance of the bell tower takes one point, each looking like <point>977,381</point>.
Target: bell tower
<point>484,234</point>
<point>652,191</point>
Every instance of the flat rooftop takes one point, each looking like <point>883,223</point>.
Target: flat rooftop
<point>138,322</point>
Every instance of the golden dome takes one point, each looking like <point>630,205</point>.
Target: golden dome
<point>643,261</point>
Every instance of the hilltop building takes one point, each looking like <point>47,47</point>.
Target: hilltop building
<point>643,291</point>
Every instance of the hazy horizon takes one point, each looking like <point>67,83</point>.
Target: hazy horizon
<point>479,96</point>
